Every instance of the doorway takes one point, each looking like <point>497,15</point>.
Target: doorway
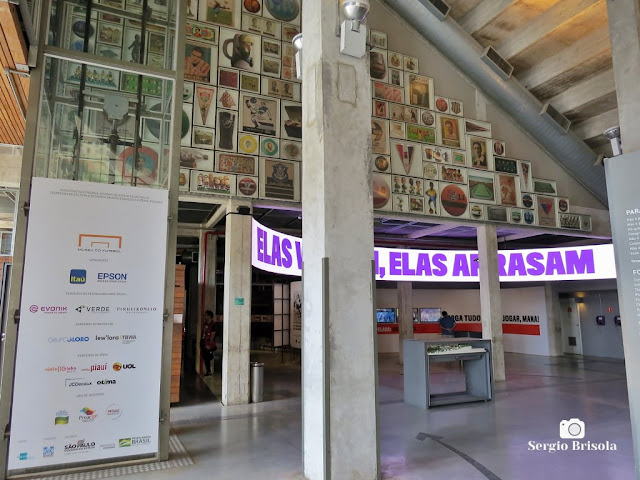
<point>571,332</point>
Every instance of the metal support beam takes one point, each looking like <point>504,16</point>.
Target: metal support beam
<point>216,216</point>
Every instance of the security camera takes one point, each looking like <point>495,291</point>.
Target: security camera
<point>355,10</point>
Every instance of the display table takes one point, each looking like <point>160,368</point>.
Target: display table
<point>419,355</point>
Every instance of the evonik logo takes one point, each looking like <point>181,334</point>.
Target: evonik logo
<point>47,309</point>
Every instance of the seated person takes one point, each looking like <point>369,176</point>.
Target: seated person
<point>447,323</point>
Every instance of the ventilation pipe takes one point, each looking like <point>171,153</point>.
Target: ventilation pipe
<point>466,54</point>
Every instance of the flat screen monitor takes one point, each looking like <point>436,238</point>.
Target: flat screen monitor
<point>430,315</point>
<point>386,315</point>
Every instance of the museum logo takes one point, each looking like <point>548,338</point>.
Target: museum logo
<point>99,243</point>
<point>572,430</point>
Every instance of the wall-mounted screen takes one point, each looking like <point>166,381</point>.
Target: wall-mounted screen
<point>429,315</point>
<point>386,315</point>
<point>600,320</point>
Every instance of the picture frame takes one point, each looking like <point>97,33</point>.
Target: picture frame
<point>529,217</point>
<point>192,9</point>
<point>248,144</point>
<point>456,107</point>
<point>400,203</point>
<point>203,137</point>
<point>396,112</point>
<point>271,67</point>
<point>204,105</point>
<point>383,91</point>
<point>526,178</point>
<point>396,60</point>
<point>183,180</point>
<point>104,78</point>
<point>453,174</point>
<point>279,179</point>
<point>482,188</point>
<point>247,186</point>
<point>227,98</point>
<point>476,211</point>
<point>187,114</point>
<point>419,90</point>
<point>381,163</point>
<point>545,187</point>
<point>411,114</point>
<point>430,170</point>
<point>269,147</point>
<point>253,7</point>
<point>381,189</point>
<point>432,197</point>
<point>378,39</point>
<point>459,157</point>
<point>196,158</point>
<point>291,150</point>
<point>236,163</point>
<point>585,223</point>
<point>200,61</point>
<point>289,15</point>
<point>515,216</point>
<point>506,165</point>
<point>198,31</point>
<point>240,50</point>
<point>420,133</point>
<point>497,213</point>
<point>547,212</point>
<point>416,204</point>
<point>263,26</point>
<point>276,87</point>
<point>406,185</point>
<point>528,200</point>
<point>563,205</point>
<point>454,200</point>
<point>479,153</point>
<point>380,108</point>
<point>427,118</point>
<point>437,154</point>
<point>229,16</point>
<point>288,32</point>
<point>499,147</point>
<point>110,34</point>
<point>449,131</point>
<point>410,64</point>
<point>250,82</point>
<point>228,77</point>
<point>396,77</point>
<point>291,120</point>
<point>380,136</point>
<point>508,189</point>
<point>397,130</point>
<point>570,221</point>
<point>259,114</point>
<point>213,183</point>
<point>477,128</point>
<point>378,69</point>
<point>226,130</point>
<point>406,159</point>
<point>441,104</point>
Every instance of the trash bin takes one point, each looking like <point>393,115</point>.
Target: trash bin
<point>257,382</point>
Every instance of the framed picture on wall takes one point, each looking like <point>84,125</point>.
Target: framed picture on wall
<point>481,186</point>
<point>381,191</point>
<point>509,188</point>
<point>279,179</point>
<point>477,128</point>
<point>259,114</point>
<point>378,69</point>
<point>432,197</point>
<point>547,211</point>
<point>546,187</point>
<point>419,90</point>
<point>455,200</point>
<point>406,159</point>
<point>449,131</point>
<point>526,180</point>
<point>480,154</point>
<point>380,136</point>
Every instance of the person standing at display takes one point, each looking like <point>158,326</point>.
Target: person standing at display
<point>447,323</point>
<point>208,341</point>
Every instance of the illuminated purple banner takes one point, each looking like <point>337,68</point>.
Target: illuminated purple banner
<point>280,253</point>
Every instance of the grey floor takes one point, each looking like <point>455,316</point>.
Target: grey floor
<point>478,441</point>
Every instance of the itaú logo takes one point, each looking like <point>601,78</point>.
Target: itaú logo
<point>120,366</point>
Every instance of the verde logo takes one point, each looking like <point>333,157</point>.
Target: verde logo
<point>124,442</point>
<point>77,277</point>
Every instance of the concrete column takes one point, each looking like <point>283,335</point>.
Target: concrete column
<point>624,30</point>
<point>236,338</point>
<point>339,383</point>
<point>490,302</point>
<point>405,311</point>
<point>554,322</point>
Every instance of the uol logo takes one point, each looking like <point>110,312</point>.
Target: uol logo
<point>77,277</point>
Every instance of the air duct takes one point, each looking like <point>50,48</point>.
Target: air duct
<point>466,54</point>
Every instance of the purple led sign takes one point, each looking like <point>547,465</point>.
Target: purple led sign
<point>279,253</point>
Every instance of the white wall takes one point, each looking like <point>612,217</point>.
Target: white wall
<point>515,301</point>
<point>600,340</point>
<point>450,83</point>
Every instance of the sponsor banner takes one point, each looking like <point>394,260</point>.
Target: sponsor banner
<point>279,253</point>
<point>508,328</point>
<point>90,325</point>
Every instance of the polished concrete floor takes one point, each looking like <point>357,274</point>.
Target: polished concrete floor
<point>472,441</point>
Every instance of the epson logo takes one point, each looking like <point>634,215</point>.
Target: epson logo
<point>106,382</point>
<point>112,277</point>
<point>68,339</point>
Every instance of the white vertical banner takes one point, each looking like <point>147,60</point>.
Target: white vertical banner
<point>87,379</point>
<point>296,314</point>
